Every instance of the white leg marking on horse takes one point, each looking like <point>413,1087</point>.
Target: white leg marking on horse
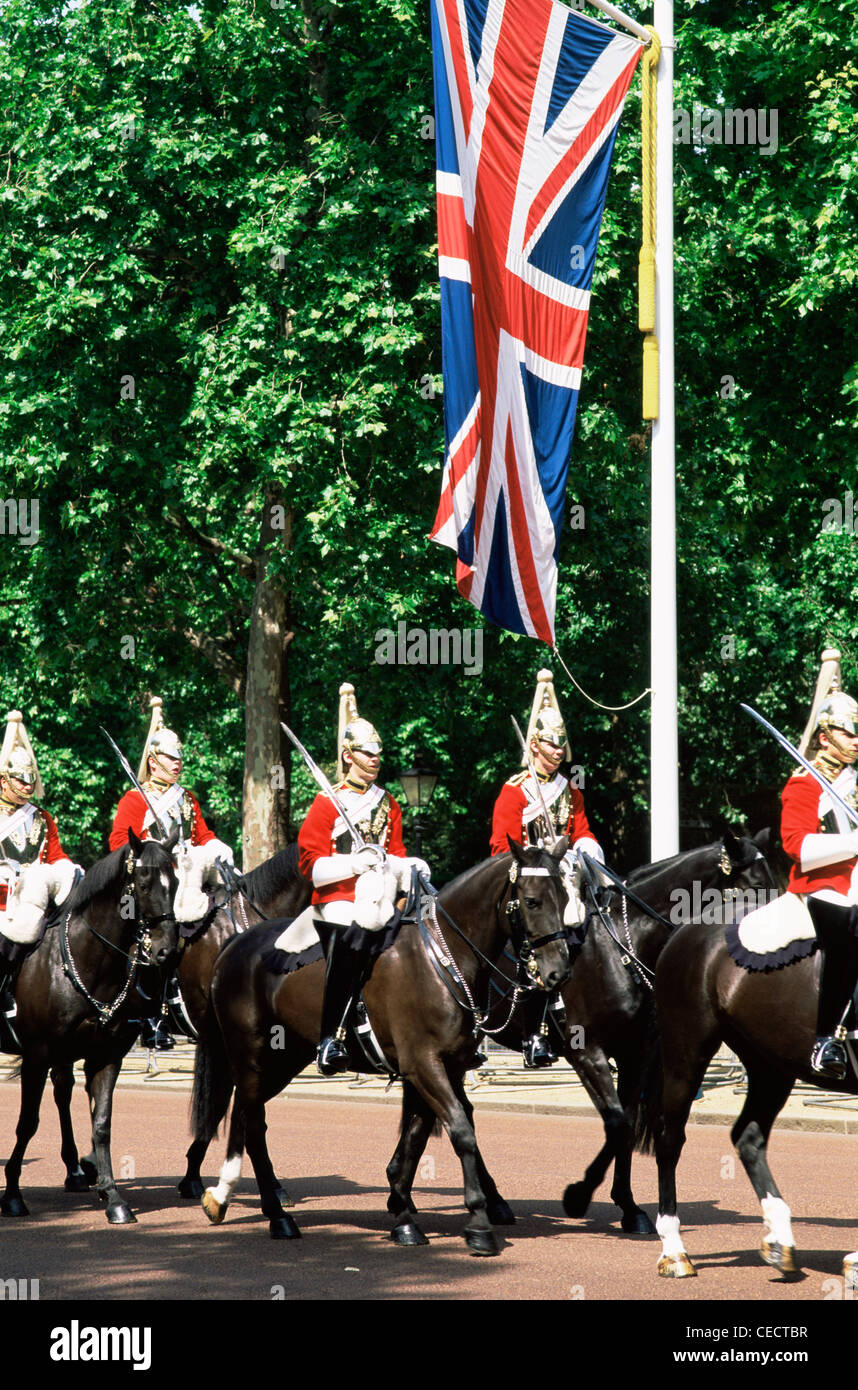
<point>776,1215</point>
<point>229,1176</point>
<point>850,1271</point>
<point>671,1240</point>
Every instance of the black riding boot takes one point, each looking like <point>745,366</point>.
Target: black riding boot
<point>154,1032</point>
<point>536,1046</point>
<point>835,932</point>
<point>332,1056</point>
<point>12,953</point>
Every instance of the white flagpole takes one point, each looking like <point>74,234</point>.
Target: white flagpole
<point>664,740</point>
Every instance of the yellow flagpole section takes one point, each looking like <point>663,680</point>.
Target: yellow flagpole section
<point>646,260</point>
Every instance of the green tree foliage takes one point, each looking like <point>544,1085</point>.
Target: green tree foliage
<point>220,348</point>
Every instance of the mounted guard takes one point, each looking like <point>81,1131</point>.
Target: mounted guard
<point>166,806</point>
<point>355,880</point>
<point>823,845</point>
<point>35,870</point>
<point>537,807</point>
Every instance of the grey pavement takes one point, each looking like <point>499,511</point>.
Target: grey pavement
<point>504,1084</point>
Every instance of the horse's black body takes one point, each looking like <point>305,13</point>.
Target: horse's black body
<point>426,1034</point>
<point>768,1018</point>
<point>276,889</point>
<point>609,1001</point>
<point>76,999</point>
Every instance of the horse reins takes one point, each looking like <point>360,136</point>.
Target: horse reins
<point>106,1012</point>
<point>645,974</point>
<point>443,960</point>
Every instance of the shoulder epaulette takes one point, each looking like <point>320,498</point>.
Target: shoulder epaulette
<point>517,780</point>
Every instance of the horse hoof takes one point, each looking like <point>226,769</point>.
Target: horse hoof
<point>213,1208</point>
<point>408,1234</point>
<point>780,1257</point>
<point>76,1182</point>
<point>121,1215</point>
<point>283,1197</point>
<point>89,1171</point>
<point>576,1199</point>
<point>191,1188</point>
<point>676,1267</point>
<point>500,1214</point>
<point>13,1206</point>
<point>637,1223</point>
<point>481,1242</point>
<point>283,1228</point>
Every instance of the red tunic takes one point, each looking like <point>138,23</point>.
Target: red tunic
<point>316,841</point>
<point>510,807</point>
<point>131,813</point>
<point>49,852</point>
<point>800,816</point>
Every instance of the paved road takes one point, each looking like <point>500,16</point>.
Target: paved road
<point>332,1156</point>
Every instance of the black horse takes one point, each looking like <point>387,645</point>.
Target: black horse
<point>769,1020</point>
<point>76,998</point>
<point>609,1002</point>
<point>419,999</point>
<point>274,890</point>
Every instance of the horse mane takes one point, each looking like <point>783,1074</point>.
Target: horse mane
<point>278,871</point>
<point>650,874</point>
<point>545,861</point>
<point>107,875</point>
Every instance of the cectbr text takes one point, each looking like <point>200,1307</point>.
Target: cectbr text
<point>715,1334</point>
<point>76,1343</point>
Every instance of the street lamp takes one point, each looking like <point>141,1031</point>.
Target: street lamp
<point>418,783</point>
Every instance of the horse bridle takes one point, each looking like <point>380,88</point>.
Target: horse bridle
<point>526,946</point>
<point>139,953</point>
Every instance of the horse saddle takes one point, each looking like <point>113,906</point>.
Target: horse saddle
<point>772,936</point>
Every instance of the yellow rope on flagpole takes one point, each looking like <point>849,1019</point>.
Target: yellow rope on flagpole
<point>646,265</point>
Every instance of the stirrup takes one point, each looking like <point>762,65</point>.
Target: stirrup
<point>155,1036</point>
<point>829,1059</point>
<point>538,1051</point>
<point>332,1057</point>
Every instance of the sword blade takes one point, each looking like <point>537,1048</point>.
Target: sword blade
<point>324,786</point>
<point>526,751</point>
<point>848,810</point>
<point>126,768</point>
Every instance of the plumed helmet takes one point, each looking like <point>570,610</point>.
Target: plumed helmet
<point>828,680</point>
<point>546,721</point>
<point>354,733</point>
<point>839,711</point>
<point>17,758</point>
<point>159,739</point>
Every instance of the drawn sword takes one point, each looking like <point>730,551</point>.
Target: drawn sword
<point>358,841</point>
<point>526,751</point>
<point>848,810</point>
<point>126,768</point>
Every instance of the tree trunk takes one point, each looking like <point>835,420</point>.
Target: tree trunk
<point>266,774</point>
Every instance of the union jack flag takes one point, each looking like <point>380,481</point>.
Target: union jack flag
<point>528,96</point>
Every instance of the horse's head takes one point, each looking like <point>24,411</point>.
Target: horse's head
<point>535,906</point>
<point>742,866</point>
<point>151,888</point>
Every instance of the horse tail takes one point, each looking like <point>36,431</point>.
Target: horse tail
<point>650,1101</point>
<point>213,1084</point>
